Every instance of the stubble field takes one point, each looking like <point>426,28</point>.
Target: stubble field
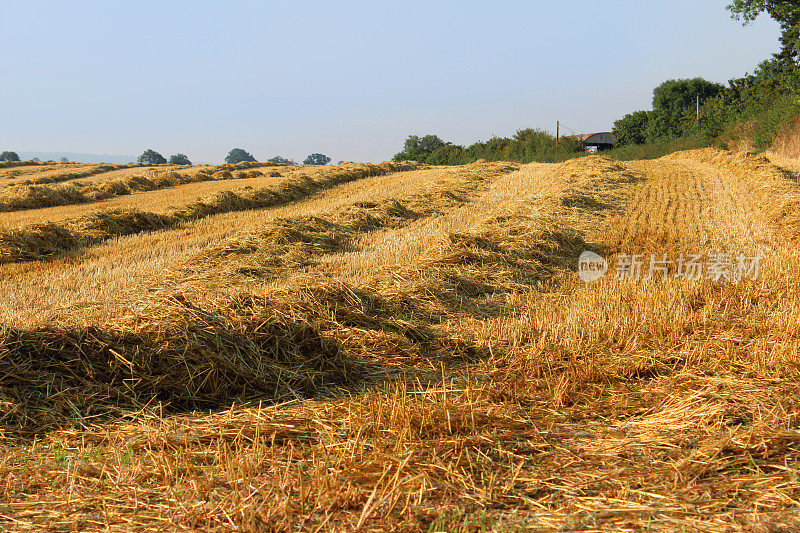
<point>399,347</point>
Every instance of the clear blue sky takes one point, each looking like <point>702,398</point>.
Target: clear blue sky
<point>351,79</point>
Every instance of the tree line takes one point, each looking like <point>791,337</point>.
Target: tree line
<point>685,112</point>
<point>527,146</point>
<point>754,108</point>
<point>236,155</point>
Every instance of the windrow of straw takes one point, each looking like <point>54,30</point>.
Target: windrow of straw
<point>21,197</point>
<point>12,164</point>
<point>40,241</point>
<point>68,175</point>
<point>179,355</point>
<point>293,243</point>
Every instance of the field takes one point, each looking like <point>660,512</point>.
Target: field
<point>401,347</point>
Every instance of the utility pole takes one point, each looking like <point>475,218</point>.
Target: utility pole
<point>558,130</point>
<point>698,107</point>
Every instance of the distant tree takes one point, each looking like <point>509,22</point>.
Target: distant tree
<point>63,159</point>
<point>9,156</point>
<point>36,160</point>
<point>179,159</point>
<point>281,160</point>
<point>317,159</point>
<point>419,148</point>
<point>631,129</point>
<point>785,12</point>
<point>151,157</point>
<point>238,155</point>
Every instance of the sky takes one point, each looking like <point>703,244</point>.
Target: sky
<point>350,79</point>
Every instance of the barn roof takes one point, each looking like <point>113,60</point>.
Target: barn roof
<point>594,139</point>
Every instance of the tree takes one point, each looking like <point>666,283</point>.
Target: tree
<point>674,103</point>
<point>281,160</point>
<point>419,148</point>
<point>9,156</point>
<point>63,159</point>
<point>238,155</point>
<point>447,155</point>
<point>785,12</point>
<point>317,159</point>
<point>151,157</point>
<point>179,159</point>
<point>631,129</point>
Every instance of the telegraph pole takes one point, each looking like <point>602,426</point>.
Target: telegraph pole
<point>698,107</point>
<point>558,128</point>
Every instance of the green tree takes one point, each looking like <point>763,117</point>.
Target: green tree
<point>674,103</point>
<point>281,160</point>
<point>179,159</point>
<point>9,156</point>
<point>317,159</point>
<point>785,12</point>
<point>238,155</point>
<point>419,148</point>
<point>151,157</point>
<point>448,154</point>
<point>631,129</point>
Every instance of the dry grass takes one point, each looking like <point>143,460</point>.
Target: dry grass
<point>464,378</point>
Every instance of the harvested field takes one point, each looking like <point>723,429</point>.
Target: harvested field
<point>412,349</point>
<point>58,173</point>
<point>48,239</point>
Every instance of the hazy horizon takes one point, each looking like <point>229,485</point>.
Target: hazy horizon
<point>351,80</point>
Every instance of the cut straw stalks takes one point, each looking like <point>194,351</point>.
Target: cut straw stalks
<point>20,197</point>
<point>41,241</point>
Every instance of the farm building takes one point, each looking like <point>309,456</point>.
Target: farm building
<point>596,141</point>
